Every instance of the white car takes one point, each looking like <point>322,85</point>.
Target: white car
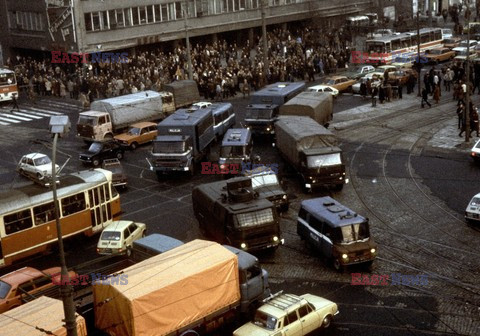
<point>202,104</point>
<point>324,88</point>
<point>36,166</point>
<point>375,79</point>
<point>475,151</point>
<point>289,314</point>
<point>463,46</point>
<point>472,213</point>
<point>118,237</point>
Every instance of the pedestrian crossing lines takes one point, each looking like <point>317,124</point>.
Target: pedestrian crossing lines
<point>42,109</point>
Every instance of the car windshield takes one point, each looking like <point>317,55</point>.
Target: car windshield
<point>4,289</point>
<point>110,235</point>
<point>434,52</point>
<point>449,41</point>
<point>83,120</point>
<point>264,320</point>
<point>169,147</point>
<point>264,180</point>
<point>229,151</point>
<point>254,218</point>
<point>317,161</point>
<point>330,82</point>
<point>43,160</point>
<point>475,201</point>
<point>134,131</point>
<point>95,147</point>
<point>7,79</point>
<point>353,233</point>
<point>259,113</point>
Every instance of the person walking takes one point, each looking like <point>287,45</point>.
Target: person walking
<point>374,96</point>
<point>399,89</point>
<point>474,126</point>
<point>436,93</point>
<point>425,98</point>
<point>460,112</point>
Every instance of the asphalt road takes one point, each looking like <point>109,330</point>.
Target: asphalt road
<point>413,191</point>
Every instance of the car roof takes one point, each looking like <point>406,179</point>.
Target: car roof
<point>335,77</point>
<point>34,155</point>
<point>237,137</point>
<point>143,124</point>
<point>329,210</point>
<point>21,275</point>
<point>281,305</point>
<point>118,225</point>
<point>321,86</point>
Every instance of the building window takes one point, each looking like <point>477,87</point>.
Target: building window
<point>105,20</point>
<point>88,21</point>
<point>127,13</point>
<point>254,4</point>
<point>171,11</point>
<point>150,15</point>
<point>135,16</point>
<point>178,10</point>
<point>143,15</point>
<point>96,20</point>
<point>165,13</point>
<point>157,12</point>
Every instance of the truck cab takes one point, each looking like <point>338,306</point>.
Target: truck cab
<point>261,117</point>
<point>94,126</point>
<point>236,148</point>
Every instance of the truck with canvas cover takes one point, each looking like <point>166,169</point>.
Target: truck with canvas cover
<point>195,286</point>
<point>312,150</point>
<point>185,92</point>
<point>110,116</point>
<point>183,139</point>
<point>316,105</point>
<point>232,213</point>
<point>265,103</point>
<point>37,317</point>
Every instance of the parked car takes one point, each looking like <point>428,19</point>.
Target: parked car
<point>376,79</point>
<point>300,315</point>
<point>324,88</point>
<point>341,83</point>
<point>357,72</point>
<point>137,134</point>
<point>462,47</point>
<point>402,75</point>
<point>118,237</point>
<point>475,151</point>
<point>436,55</point>
<point>36,166</point>
<point>26,282</point>
<point>99,151</point>
<point>472,212</point>
<point>386,69</point>
<point>452,42</point>
<point>119,178</point>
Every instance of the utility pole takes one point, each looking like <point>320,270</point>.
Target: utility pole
<point>187,38</point>
<point>419,65</point>
<point>430,6</point>
<point>467,85</point>
<point>264,40</point>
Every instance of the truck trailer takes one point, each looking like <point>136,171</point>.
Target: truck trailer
<point>316,105</point>
<point>312,150</point>
<point>111,116</point>
<point>232,213</point>
<point>185,92</point>
<point>183,139</point>
<point>196,286</point>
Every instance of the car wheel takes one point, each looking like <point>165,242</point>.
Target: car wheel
<point>96,162</point>
<point>21,171</point>
<point>337,265</point>
<point>133,145</point>
<point>129,252</point>
<point>108,137</point>
<point>119,155</point>
<point>39,176</point>
<point>327,321</point>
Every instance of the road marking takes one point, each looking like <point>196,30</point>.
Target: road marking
<point>27,115</point>
<point>15,117</point>
<point>45,111</point>
<point>10,120</point>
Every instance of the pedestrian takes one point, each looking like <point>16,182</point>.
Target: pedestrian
<point>425,98</point>
<point>399,89</point>
<point>474,126</point>
<point>363,89</point>
<point>15,103</point>
<point>381,94</point>
<point>460,112</point>
<point>374,96</point>
<point>436,93</point>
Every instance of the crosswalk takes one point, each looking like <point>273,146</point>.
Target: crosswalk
<point>45,108</point>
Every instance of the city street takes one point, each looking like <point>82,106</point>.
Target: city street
<point>410,174</point>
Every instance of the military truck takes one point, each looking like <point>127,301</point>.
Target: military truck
<point>316,105</point>
<point>198,286</point>
<point>111,116</point>
<point>185,92</point>
<point>183,139</point>
<point>232,213</point>
<point>265,103</point>
<point>312,151</point>
<point>265,182</point>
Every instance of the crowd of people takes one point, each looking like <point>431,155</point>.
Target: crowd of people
<point>292,55</point>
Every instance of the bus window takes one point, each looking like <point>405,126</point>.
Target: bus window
<point>18,221</point>
<point>73,204</point>
<point>44,213</point>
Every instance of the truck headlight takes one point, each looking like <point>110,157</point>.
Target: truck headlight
<point>243,245</point>
<point>284,197</point>
<point>345,256</point>
<point>185,168</point>
<point>372,251</point>
<point>308,185</point>
<point>346,180</point>
<point>275,238</point>
<point>268,129</point>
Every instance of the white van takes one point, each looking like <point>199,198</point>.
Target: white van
<point>118,237</point>
<point>472,213</point>
<point>447,33</point>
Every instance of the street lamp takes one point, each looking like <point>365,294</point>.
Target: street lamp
<point>59,126</point>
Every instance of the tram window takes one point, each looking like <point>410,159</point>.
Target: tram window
<point>73,204</point>
<point>18,221</point>
<point>102,194</point>
<point>44,213</point>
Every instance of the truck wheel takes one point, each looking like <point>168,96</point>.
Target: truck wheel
<point>133,145</point>
<point>96,162</point>
<point>108,137</point>
<point>337,265</point>
<point>119,155</point>
<point>327,321</point>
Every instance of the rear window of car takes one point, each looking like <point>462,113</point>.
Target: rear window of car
<point>4,289</point>
<point>110,235</point>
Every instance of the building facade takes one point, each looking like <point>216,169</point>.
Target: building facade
<point>105,25</point>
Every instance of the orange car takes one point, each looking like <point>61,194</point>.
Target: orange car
<point>436,55</point>
<point>138,134</point>
<point>341,83</point>
<point>24,282</point>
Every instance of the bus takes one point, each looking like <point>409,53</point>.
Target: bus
<point>87,203</point>
<point>8,85</point>
<point>384,49</point>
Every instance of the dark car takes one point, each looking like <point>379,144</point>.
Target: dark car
<point>119,178</point>
<point>99,151</point>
